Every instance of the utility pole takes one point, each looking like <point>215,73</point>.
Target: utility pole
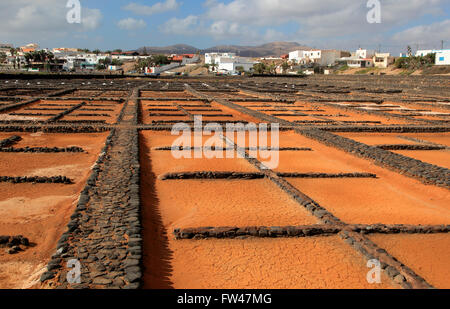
<point>442,44</point>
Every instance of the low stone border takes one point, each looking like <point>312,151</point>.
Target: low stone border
<point>66,112</point>
<point>33,114</point>
<point>17,105</point>
<point>250,176</point>
<point>84,122</point>
<point>304,230</point>
<point>255,231</point>
<point>73,149</point>
<point>388,129</point>
<point>45,109</point>
<point>36,179</point>
<point>165,115</point>
<point>170,99</point>
<point>399,228</point>
<point>10,141</point>
<point>213,148</point>
<point>409,147</point>
<point>55,129</point>
<point>14,244</point>
<point>211,175</point>
<point>327,175</point>
<point>90,115</point>
<point>95,110</point>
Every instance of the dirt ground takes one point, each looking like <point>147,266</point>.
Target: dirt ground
<point>427,255</point>
<point>40,212</point>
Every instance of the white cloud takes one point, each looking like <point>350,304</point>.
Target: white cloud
<point>159,7</point>
<point>30,20</point>
<point>91,19</point>
<point>314,21</point>
<point>194,26</point>
<point>131,24</point>
<point>183,26</point>
<point>427,35</point>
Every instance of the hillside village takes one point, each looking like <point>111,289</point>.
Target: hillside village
<point>304,61</point>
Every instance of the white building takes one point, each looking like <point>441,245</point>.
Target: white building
<point>329,57</point>
<point>443,57</point>
<point>322,57</point>
<point>305,56</point>
<point>231,65</point>
<point>6,49</point>
<point>211,58</point>
<point>361,53</point>
<point>382,60</point>
<point>354,62</point>
<point>423,53</point>
<point>74,60</point>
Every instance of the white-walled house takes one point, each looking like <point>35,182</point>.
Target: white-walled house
<point>322,57</point>
<point>423,53</point>
<point>361,53</point>
<point>329,57</point>
<point>305,56</point>
<point>211,58</point>
<point>443,57</point>
<point>230,65</point>
<point>382,60</point>
<point>79,60</point>
<point>354,62</point>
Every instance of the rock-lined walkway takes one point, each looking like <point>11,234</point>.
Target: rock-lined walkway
<point>104,233</point>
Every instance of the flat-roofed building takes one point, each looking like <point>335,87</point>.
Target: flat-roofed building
<point>382,60</point>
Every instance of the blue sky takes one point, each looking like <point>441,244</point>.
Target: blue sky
<point>129,24</point>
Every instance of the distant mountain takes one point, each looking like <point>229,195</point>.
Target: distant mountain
<point>269,49</point>
<point>173,49</point>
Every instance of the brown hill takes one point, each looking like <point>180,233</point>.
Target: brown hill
<point>269,49</point>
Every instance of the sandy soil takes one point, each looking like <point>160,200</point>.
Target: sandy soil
<point>39,139</point>
<point>387,201</point>
<point>32,118</point>
<point>166,94</point>
<point>82,93</point>
<point>148,119</point>
<point>40,212</point>
<point>412,106</point>
<point>436,157</point>
<point>353,116</point>
<point>427,255</point>
<point>259,264</point>
<point>227,203</point>
<point>313,162</point>
<point>378,138</point>
<point>168,164</point>
<point>443,139</point>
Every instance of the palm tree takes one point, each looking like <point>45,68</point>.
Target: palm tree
<point>409,51</point>
<point>41,56</point>
<point>285,66</point>
<point>214,66</point>
<point>2,57</point>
